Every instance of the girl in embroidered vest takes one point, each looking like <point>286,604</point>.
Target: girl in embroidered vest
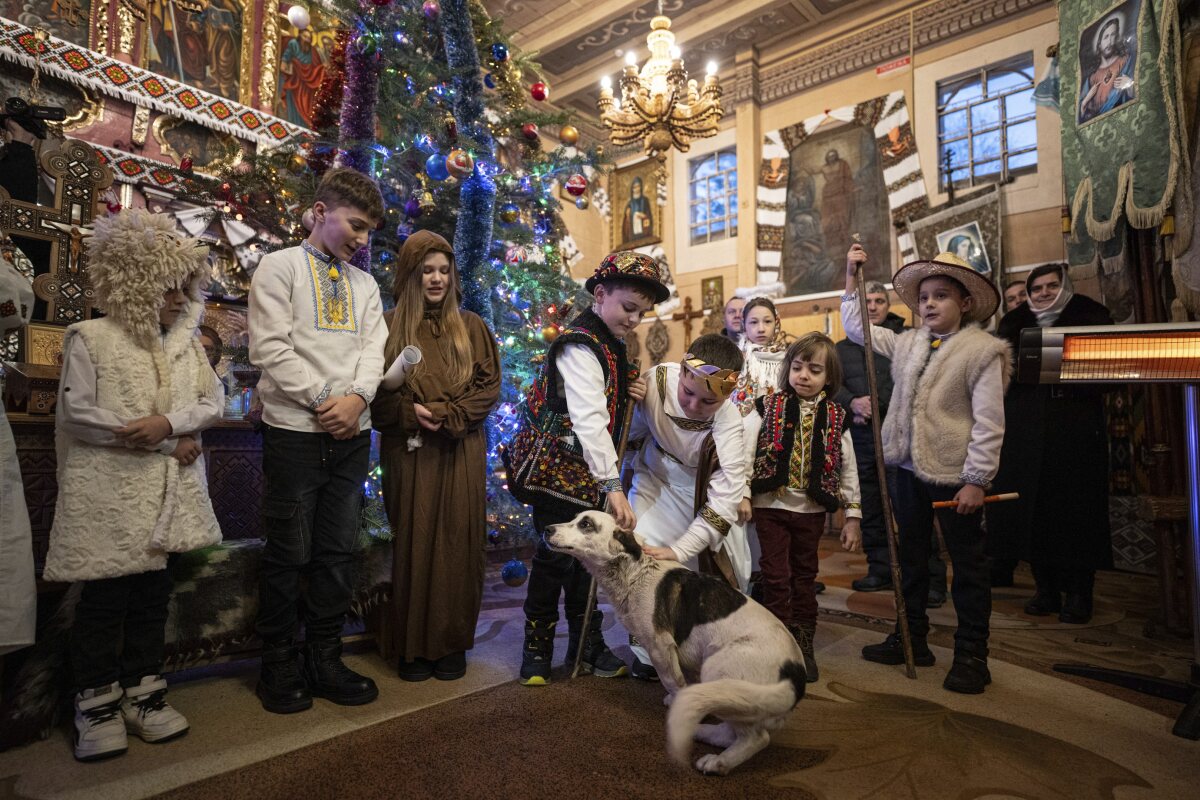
<point>434,459</point>
<point>802,467</point>
<point>944,427</point>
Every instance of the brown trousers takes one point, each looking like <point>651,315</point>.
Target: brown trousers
<point>788,563</point>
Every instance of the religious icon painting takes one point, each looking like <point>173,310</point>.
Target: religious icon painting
<point>712,292</point>
<point>304,57</point>
<point>1108,61</point>
<point>70,20</point>
<point>966,242</point>
<point>210,151</point>
<point>636,213</point>
<point>203,43</point>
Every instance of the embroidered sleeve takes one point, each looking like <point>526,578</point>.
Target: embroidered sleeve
<point>321,398</point>
<point>975,480</point>
<point>716,520</point>
<point>611,485</point>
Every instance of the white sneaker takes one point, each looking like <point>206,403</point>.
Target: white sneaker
<point>99,730</point>
<point>147,714</point>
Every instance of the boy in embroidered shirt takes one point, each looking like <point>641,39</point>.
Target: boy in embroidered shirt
<point>136,390</point>
<point>563,458</point>
<point>944,428</point>
<point>317,333</point>
<point>687,505</point>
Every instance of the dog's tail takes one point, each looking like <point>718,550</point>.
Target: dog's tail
<point>732,700</point>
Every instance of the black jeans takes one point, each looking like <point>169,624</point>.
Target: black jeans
<point>120,629</point>
<point>971,588</point>
<point>312,507</point>
<point>554,574</point>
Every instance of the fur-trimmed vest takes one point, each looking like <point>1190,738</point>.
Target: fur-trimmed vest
<point>121,510</point>
<point>930,417</point>
<point>781,418</point>
<point>545,459</point>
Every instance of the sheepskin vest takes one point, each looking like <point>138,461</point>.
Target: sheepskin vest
<point>930,417</point>
<point>120,511</point>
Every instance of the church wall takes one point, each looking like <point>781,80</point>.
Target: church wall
<point>1031,204</point>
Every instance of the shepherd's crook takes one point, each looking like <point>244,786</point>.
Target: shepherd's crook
<point>910,668</point>
<point>591,600</point>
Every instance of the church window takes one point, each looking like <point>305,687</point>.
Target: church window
<point>712,193</point>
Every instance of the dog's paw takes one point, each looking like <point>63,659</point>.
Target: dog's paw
<point>712,764</point>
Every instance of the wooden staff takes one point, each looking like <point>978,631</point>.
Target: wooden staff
<point>591,599</point>
<point>910,667</point>
<point>991,498</point>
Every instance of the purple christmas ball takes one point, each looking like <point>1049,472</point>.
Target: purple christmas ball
<point>412,207</point>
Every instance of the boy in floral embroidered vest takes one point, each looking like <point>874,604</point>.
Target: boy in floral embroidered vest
<point>317,333</point>
<point>563,458</point>
<point>944,428</point>
<point>801,466</point>
<point>685,453</point>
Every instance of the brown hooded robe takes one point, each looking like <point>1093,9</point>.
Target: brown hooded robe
<point>435,494</point>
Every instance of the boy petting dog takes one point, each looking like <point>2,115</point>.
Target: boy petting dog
<point>686,455</point>
<point>563,458</point>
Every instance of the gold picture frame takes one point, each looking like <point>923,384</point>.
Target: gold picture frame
<point>170,132</point>
<point>43,344</point>
<point>712,294</point>
<point>637,214</point>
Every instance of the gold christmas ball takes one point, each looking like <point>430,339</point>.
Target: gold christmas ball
<point>568,135</point>
<point>549,333</point>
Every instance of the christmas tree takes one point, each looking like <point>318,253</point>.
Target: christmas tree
<point>432,100</point>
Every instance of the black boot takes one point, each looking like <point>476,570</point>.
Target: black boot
<point>1043,603</point>
<point>1076,609</point>
<point>969,673</point>
<point>597,658</point>
<point>537,653</point>
<point>803,633</point>
<point>281,685</point>
<point>330,678</point>
<point>891,651</point>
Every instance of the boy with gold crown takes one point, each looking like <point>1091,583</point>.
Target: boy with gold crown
<point>944,428</point>
<point>689,472</point>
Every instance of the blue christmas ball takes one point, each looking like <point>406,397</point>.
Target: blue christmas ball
<point>543,225</point>
<point>493,536</point>
<point>499,52</point>
<point>489,81</point>
<point>435,167</point>
<point>514,572</point>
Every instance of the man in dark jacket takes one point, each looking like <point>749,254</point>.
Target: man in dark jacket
<point>733,318</point>
<point>855,397</point>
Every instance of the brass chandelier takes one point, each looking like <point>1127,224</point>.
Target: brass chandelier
<point>659,104</point>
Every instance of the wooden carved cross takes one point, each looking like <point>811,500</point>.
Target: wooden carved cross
<point>687,315</point>
<point>79,178</point>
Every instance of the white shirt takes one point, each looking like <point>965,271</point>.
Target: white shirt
<point>313,338</point>
<point>987,398</point>
<point>78,414</point>
<point>582,381</point>
<point>671,453</point>
<point>795,500</point>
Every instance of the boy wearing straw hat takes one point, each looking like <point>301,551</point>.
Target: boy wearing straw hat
<point>943,430</point>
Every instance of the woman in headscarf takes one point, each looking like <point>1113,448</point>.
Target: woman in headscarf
<point>1056,455</point>
<point>434,459</point>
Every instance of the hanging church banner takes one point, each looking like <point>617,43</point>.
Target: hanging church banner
<point>850,170</point>
<point>103,75</point>
<point>1120,104</point>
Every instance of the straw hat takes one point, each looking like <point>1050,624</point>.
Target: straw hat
<point>630,266</point>
<point>907,283</point>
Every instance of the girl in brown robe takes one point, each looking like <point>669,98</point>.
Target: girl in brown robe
<point>434,493</point>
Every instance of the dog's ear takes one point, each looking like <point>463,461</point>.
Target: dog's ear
<point>629,542</point>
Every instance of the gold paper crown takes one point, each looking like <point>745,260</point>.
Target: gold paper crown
<point>720,382</point>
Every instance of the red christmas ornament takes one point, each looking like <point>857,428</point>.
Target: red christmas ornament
<point>576,185</point>
<point>530,131</point>
<point>540,91</point>
<point>459,163</point>
<point>112,205</point>
<point>451,127</point>
<point>185,165</point>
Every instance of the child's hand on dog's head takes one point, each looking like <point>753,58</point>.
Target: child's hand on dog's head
<point>618,506</point>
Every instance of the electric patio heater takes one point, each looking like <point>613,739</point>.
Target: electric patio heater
<point>1158,353</point>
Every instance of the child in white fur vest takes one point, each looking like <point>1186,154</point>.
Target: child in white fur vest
<point>944,428</point>
<point>136,390</point>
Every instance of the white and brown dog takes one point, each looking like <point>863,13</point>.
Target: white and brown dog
<point>716,651</point>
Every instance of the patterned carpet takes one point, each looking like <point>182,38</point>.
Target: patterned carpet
<point>864,731</point>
